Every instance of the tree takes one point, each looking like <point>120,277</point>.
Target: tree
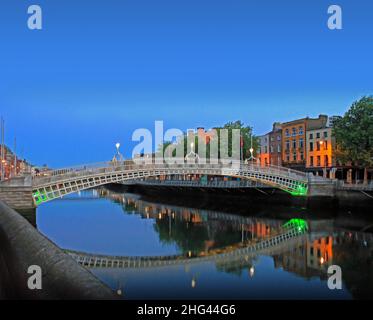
<point>246,134</point>
<point>354,134</point>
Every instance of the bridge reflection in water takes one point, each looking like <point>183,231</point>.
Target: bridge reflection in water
<point>239,256</point>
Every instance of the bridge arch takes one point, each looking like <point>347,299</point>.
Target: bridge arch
<point>58,183</point>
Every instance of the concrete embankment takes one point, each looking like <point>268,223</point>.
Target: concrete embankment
<point>62,277</point>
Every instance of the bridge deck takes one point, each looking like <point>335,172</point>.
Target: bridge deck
<point>57,183</point>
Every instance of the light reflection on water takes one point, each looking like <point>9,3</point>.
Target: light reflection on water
<point>116,224</point>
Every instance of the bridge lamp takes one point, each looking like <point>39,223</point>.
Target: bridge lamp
<point>117,145</point>
<point>191,145</point>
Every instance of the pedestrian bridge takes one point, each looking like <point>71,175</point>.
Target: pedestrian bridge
<point>292,235</point>
<point>54,184</point>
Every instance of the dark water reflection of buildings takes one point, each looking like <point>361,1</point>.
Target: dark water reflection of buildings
<point>199,232</point>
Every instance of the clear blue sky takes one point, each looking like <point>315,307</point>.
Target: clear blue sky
<point>100,69</point>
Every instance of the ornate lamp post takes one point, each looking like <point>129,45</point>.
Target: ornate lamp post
<point>118,156</point>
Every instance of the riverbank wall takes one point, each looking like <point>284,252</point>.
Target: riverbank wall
<point>62,277</point>
<point>336,200</point>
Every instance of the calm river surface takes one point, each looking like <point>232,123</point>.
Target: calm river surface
<point>194,240</point>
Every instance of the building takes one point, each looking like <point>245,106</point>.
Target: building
<point>10,165</point>
<point>320,151</point>
<point>294,140</point>
<point>275,145</point>
<point>332,119</point>
<point>206,136</point>
<point>263,155</point>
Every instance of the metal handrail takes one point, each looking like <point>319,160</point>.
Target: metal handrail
<point>107,167</point>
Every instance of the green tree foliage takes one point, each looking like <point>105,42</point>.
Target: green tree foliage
<point>246,133</point>
<point>354,134</point>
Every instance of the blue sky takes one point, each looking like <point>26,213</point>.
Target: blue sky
<point>100,69</point>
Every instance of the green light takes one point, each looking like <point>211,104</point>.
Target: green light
<point>300,190</point>
<point>300,224</point>
<point>39,197</point>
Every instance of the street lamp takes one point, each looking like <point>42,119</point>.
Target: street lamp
<point>118,156</point>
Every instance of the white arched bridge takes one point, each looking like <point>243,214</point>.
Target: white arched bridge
<point>54,184</point>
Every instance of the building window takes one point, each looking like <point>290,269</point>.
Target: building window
<point>301,143</point>
<point>265,149</point>
<point>318,145</point>
<point>278,148</point>
<point>294,156</point>
<point>294,144</point>
<point>287,145</point>
<point>271,149</point>
<point>279,138</point>
<point>300,130</point>
<point>311,146</point>
<point>318,135</point>
<point>301,156</point>
<point>325,145</point>
<point>318,161</point>
<point>265,139</point>
<point>325,134</point>
<point>272,138</point>
<point>326,161</point>
<point>311,135</point>
<point>311,161</point>
<point>294,131</point>
<point>287,132</point>
<point>287,158</point>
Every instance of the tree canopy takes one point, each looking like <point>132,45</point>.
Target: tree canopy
<point>354,133</point>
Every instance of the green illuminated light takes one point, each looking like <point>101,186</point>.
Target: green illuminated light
<point>39,197</point>
<point>300,224</point>
<point>301,190</point>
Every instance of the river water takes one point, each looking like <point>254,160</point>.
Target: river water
<point>197,253</point>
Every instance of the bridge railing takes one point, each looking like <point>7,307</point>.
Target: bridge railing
<point>198,183</point>
<point>127,165</point>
